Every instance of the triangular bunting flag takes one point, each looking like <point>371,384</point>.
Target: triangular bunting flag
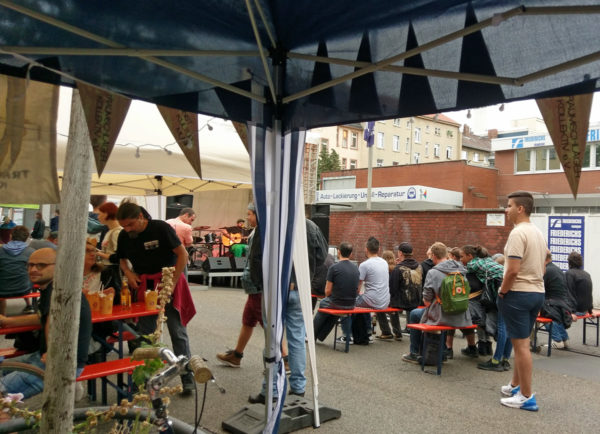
<point>104,113</point>
<point>184,127</point>
<point>242,131</point>
<point>28,113</point>
<point>567,119</point>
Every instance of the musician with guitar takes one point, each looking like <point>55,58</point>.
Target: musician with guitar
<point>236,238</point>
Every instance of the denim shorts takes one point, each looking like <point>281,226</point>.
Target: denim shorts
<point>519,310</point>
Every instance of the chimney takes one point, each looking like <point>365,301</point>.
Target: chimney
<point>492,134</point>
<point>466,130</point>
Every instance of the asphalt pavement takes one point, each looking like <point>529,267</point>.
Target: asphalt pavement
<point>379,393</point>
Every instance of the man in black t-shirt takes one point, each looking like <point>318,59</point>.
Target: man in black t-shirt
<point>341,290</point>
<point>151,245</point>
<point>41,272</point>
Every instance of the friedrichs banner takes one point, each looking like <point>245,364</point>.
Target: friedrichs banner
<point>104,113</point>
<point>28,112</point>
<point>184,127</point>
<point>567,119</point>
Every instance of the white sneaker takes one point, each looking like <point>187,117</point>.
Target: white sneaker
<point>566,344</point>
<point>558,345</point>
<point>520,401</point>
<point>342,340</point>
<point>510,390</point>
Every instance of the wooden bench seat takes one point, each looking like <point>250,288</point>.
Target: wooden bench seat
<point>346,312</point>
<point>103,370</point>
<point>440,328</point>
<point>590,319</point>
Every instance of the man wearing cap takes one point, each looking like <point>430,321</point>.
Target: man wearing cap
<point>405,291</point>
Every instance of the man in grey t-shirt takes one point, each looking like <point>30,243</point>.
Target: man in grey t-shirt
<point>374,272</point>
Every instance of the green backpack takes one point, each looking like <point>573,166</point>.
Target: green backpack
<point>454,294</point>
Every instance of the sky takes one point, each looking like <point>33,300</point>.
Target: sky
<point>144,123</point>
<point>491,117</point>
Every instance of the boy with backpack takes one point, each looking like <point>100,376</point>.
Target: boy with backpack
<point>446,297</point>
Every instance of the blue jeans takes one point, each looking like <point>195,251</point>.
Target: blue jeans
<point>559,333</point>
<point>22,382</point>
<point>415,335</point>
<point>177,331</point>
<point>503,342</point>
<point>295,332</point>
<point>360,302</point>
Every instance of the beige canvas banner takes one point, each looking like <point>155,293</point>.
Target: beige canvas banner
<point>28,112</point>
<point>104,113</point>
<point>184,127</point>
<point>567,119</point>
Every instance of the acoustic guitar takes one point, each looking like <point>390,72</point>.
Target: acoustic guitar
<point>231,239</point>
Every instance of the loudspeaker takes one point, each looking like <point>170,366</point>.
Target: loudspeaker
<point>323,223</point>
<point>319,210</point>
<point>240,263</point>
<point>223,263</point>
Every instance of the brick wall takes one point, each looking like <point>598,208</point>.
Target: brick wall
<point>420,228</point>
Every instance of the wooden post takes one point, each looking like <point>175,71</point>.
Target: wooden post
<point>59,380</point>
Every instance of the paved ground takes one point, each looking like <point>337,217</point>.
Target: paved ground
<point>377,392</point>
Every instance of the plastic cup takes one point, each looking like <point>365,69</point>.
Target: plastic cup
<point>93,299</point>
<point>106,304</point>
<point>151,297</point>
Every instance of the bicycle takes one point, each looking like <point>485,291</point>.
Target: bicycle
<point>157,416</point>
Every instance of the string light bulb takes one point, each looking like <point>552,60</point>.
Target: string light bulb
<point>501,107</point>
<point>137,152</point>
<point>469,114</point>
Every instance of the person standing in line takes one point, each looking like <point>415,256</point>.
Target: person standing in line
<point>38,227</point>
<point>521,295</point>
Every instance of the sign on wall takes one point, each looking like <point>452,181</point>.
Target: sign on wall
<point>565,235</point>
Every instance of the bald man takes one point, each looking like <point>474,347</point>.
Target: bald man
<point>41,272</point>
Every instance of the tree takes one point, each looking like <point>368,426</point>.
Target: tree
<point>328,162</point>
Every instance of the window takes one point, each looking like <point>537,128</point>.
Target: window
<point>407,145</point>
<point>417,158</point>
<point>379,162</point>
<point>344,163</point>
<point>449,153</point>
<point>436,131</point>
<point>426,148</point>
<point>395,163</point>
<point>324,144</point>
<point>380,140</point>
<point>537,160</point>
<point>476,157</point>
<point>352,164</point>
<point>523,157</point>
<point>344,138</point>
<point>417,135</point>
<point>396,143</point>
<point>591,158</point>
<point>463,155</point>
<point>449,133</point>
<point>397,122</point>
<point>353,140</point>
<point>408,122</point>
<point>427,129</point>
<point>436,150</point>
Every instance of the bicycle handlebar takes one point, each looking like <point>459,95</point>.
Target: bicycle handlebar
<point>177,365</point>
